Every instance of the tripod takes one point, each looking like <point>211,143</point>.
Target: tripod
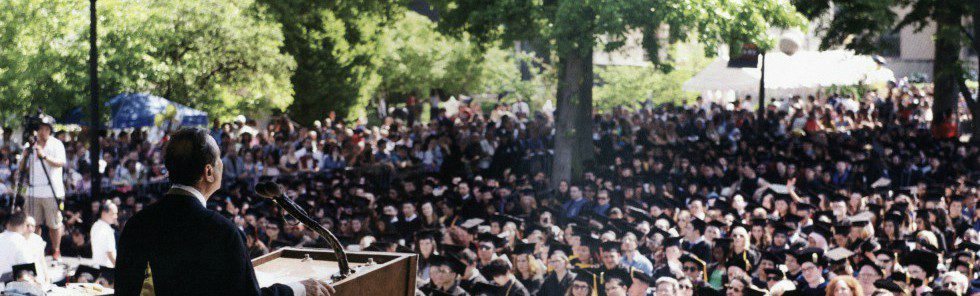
<point>24,175</point>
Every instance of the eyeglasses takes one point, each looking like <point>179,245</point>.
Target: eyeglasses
<point>580,287</point>
<point>690,269</point>
<point>486,247</point>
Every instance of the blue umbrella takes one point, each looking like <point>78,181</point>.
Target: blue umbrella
<point>140,110</point>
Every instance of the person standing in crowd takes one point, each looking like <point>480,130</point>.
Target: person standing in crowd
<point>104,236</point>
<point>45,185</point>
<point>13,242</point>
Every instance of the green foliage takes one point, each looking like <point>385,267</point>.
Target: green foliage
<point>335,47</point>
<point>416,58</point>
<point>859,24</point>
<point>629,86</point>
<point>565,23</point>
<point>219,56</point>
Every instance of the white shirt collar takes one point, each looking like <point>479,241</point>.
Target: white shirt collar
<point>197,194</point>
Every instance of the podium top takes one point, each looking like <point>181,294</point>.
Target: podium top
<point>288,265</point>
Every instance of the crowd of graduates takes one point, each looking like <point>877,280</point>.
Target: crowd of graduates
<point>821,195</point>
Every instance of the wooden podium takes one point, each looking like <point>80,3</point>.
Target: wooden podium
<point>375,273</point>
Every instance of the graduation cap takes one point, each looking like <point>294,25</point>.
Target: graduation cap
<point>968,246</point>
<point>926,260</point>
<point>504,218</point>
<point>718,223</point>
<point>455,265</point>
<point>842,228</point>
<point>791,218</point>
<point>812,255</point>
<point>874,267</point>
<point>619,273</point>
<point>490,238</point>
<point>522,248</point>
<point>20,269</point>
<point>838,255</point>
<point>723,242</point>
<point>774,274</point>
<point>430,234</point>
<point>451,249</point>
<point>781,228</point>
<point>85,270</point>
<point>776,258</point>
<point>889,285</point>
<point>610,246</point>
<point>487,289</point>
<point>672,241</point>
<point>564,248</point>
<point>742,263</point>
<point>837,197</point>
<point>640,276</point>
<point>471,224</point>
<point>495,268</point>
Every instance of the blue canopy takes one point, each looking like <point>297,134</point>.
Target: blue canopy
<point>140,110</point>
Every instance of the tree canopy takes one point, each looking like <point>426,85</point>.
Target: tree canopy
<point>220,56</point>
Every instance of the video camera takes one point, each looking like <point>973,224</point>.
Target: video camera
<point>32,122</point>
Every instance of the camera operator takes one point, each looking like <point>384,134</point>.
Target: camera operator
<point>43,197</point>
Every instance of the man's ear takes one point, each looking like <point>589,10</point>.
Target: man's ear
<point>209,173</point>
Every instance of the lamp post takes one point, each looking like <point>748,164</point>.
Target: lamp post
<point>93,71</point>
<point>789,44</point>
<point>762,88</point>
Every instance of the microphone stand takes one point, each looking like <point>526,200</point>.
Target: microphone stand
<point>274,191</point>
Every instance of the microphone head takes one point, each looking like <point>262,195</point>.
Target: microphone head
<point>268,189</point>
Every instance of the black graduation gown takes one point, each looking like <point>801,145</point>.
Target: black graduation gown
<point>533,285</point>
<point>467,284</point>
<point>454,290</point>
<point>553,286</point>
<point>805,289</point>
<point>515,288</point>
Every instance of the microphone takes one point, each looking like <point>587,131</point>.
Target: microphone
<point>275,192</point>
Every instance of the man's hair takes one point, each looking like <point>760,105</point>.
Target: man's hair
<point>17,219</point>
<point>186,155</point>
<point>106,207</point>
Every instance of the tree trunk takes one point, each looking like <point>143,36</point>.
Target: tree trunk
<point>573,117</point>
<point>946,70</point>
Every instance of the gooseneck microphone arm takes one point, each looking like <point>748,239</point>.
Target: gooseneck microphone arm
<point>274,191</point>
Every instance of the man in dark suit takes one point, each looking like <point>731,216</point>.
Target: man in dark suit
<point>179,247</point>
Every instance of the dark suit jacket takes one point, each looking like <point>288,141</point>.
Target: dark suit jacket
<point>190,250</point>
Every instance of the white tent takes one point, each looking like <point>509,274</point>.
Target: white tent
<point>799,74</point>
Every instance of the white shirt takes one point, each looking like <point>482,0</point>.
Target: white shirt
<point>35,253</point>
<point>15,251</point>
<point>103,241</point>
<point>54,150</point>
<point>200,197</point>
